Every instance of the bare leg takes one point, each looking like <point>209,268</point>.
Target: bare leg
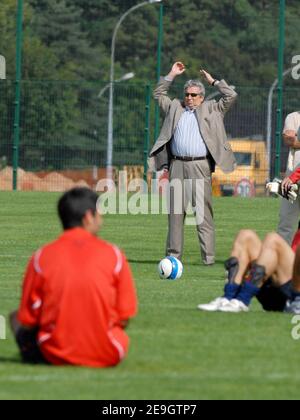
<point>277,258</point>
<point>246,248</point>
<point>296,272</point>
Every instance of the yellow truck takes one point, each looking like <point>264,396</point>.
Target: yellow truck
<point>250,176</point>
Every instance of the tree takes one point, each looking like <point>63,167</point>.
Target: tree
<point>58,25</point>
<point>70,40</point>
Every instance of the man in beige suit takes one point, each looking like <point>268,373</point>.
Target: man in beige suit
<point>192,141</point>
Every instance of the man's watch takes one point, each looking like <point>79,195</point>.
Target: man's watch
<point>214,82</point>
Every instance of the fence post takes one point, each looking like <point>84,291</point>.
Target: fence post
<point>147,129</point>
<point>280,86</point>
<point>17,94</point>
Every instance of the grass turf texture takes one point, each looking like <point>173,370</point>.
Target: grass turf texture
<point>176,351</point>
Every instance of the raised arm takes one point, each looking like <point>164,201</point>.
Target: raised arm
<point>161,91</point>
<point>229,95</point>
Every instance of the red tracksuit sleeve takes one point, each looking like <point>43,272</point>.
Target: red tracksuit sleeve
<point>126,293</point>
<point>31,301</point>
<point>295,176</point>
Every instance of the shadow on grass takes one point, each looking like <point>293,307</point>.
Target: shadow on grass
<point>131,261</point>
<point>195,264</point>
<point>15,359</point>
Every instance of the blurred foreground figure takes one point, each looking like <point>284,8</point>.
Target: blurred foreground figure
<point>263,270</point>
<point>78,293</point>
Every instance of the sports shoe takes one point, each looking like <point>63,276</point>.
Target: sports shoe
<point>293,306</point>
<point>234,306</point>
<point>214,306</point>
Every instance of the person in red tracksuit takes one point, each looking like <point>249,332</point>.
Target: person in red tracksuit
<point>78,294</point>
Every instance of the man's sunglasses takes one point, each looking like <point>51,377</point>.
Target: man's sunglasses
<point>193,95</point>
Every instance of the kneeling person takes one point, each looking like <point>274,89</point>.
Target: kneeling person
<point>78,293</point>
<point>263,270</point>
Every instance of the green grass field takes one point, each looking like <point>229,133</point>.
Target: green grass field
<point>176,351</point>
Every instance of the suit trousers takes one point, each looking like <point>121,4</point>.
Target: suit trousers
<point>289,219</point>
<point>191,182</point>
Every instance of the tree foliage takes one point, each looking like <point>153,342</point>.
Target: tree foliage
<point>70,41</point>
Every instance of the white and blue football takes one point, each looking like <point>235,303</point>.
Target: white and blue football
<point>170,268</point>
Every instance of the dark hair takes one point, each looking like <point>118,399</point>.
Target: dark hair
<point>73,206</point>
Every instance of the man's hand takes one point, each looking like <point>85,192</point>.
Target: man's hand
<point>290,138</point>
<point>177,69</point>
<point>207,76</point>
<point>286,185</point>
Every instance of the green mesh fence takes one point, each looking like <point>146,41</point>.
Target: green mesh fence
<point>64,128</point>
<point>63,137</point>
<point>64,132</point>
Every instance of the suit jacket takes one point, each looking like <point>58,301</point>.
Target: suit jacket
<point>210,115</point>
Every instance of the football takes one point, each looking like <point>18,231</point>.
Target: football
<point>170,268</point>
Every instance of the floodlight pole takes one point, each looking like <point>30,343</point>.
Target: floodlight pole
<point>158,67</point>
<point>19,39</point>
<point>269,119</point>
<point>126,76</point>
<point>280,86</point>
<point>147,130</point>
